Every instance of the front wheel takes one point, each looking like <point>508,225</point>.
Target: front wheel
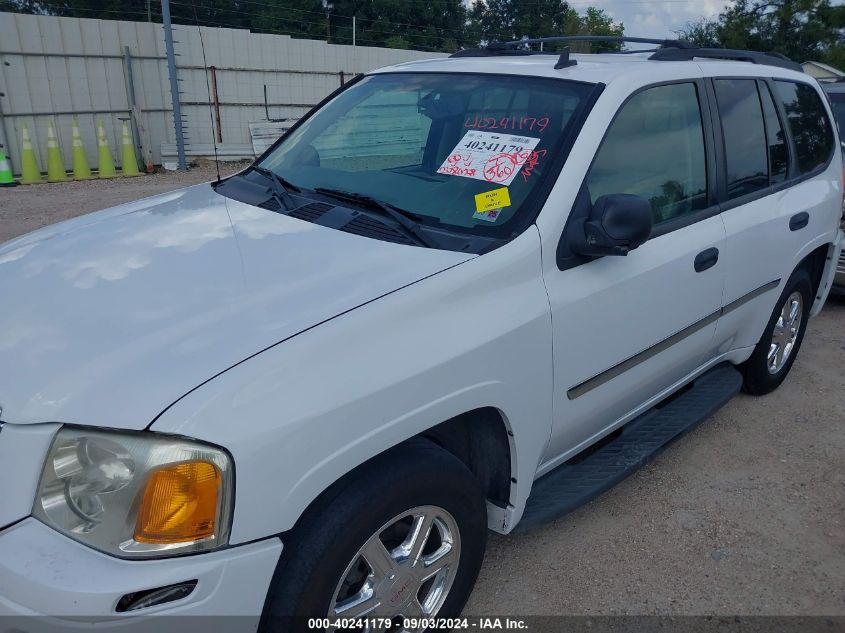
<point>774,355</point>
<point>400,540</point>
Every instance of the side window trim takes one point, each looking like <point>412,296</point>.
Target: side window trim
<point>792,170</point>
<point>763,85</point>
<point>760,87</point>
<point>720,193</point>
<point>567,260</point>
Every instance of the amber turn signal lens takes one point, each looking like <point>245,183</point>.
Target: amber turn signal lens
<point>179,503</point>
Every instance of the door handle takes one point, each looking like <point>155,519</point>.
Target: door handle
<point>706,259</point>
<point>799,221</point>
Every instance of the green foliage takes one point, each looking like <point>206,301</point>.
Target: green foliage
<point>800,29</point>
<point>503,20</point>
<point>435,25</point>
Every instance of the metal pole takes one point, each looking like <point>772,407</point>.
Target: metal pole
<point>353,30</point>
<point>174,87</point>
<point>216,101</point>
<point>130,96</point>
<point>6,140</point>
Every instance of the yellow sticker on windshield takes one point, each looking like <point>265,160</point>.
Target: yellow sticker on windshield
<point>493,199</point>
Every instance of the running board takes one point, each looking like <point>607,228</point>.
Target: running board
<point>584,478</point>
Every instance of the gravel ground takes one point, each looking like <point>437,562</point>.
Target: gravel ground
<point>24,209</point>
<point>745,515</point>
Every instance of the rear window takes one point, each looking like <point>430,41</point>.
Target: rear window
<point>808,122</point>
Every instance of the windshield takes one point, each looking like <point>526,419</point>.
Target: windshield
<point>464,152</point>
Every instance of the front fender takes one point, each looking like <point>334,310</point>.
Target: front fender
<point>300,415</point>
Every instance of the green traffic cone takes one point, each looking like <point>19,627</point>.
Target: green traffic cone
<point>6,179</point>
<point>56,171</point>
<point>30,172</point>
<point>129,164</point>
<point>106,167</point>
<point>81,169</point>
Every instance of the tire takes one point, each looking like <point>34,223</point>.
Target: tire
<point>762,373</point>
<point>323,548</point>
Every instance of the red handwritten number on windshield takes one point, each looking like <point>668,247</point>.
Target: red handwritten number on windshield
<point>525,123</point>
<point>500,167</point>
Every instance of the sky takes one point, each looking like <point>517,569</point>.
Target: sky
<point>658,18</point>
<point>655,18</point>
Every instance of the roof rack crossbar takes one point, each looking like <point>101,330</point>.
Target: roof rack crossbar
<point>682,44</point>
<point>755,57</point>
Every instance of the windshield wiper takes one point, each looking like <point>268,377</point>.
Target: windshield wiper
<point>281,188</point>
<point>403,218</point>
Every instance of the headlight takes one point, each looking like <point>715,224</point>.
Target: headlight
<point>136,494</point>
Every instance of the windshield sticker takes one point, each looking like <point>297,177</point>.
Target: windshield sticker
<point>491,200</point>
<point>489,216</point>
<point>513,122</point>
<point>488,156</point>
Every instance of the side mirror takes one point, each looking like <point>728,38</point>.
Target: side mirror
<point>617,223</point>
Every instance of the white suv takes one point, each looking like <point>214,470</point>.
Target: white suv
<point>460,294</point>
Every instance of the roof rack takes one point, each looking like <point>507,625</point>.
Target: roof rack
<point>668,50</point>
<point>592,38</point>
<point>755,57</point>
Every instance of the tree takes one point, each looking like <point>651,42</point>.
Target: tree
<point>800,29</point>
<point>503,20</point>
<point>429,25</point>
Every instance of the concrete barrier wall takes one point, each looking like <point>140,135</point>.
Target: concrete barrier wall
<point>56,67</point>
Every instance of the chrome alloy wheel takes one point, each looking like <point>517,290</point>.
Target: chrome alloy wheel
<point>785,333</point>
<point>404,570</point>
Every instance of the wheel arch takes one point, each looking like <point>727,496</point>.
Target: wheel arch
<point>815,262</point>
<point>480,438</point>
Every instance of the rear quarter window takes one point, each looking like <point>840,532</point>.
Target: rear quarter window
<point>811,129</point>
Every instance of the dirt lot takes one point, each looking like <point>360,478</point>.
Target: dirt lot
<point>745,515</point>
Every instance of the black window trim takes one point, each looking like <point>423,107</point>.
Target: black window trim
<point>793,176</point>
<point>763,86</point>
<point>565,260</point>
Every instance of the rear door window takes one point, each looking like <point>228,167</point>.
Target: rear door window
<point>746,147</point>
<point>811,130</point>
<point>655,149</point>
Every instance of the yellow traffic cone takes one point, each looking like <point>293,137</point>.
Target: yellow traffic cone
<point>6,179</point>
<point>81,169</point>
<point>30,172</point>
<point>106,166</point>
<point>129,164</point>
<point>56,171</point>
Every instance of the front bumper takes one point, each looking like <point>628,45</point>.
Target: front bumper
<point>43,573</point>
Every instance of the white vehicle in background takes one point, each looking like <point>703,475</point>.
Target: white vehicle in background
<point>836,94</point>
<point>460,294</point>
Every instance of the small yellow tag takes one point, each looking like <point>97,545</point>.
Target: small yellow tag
<point>494,199</point>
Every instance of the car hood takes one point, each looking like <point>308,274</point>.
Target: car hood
<point>109,318</point>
